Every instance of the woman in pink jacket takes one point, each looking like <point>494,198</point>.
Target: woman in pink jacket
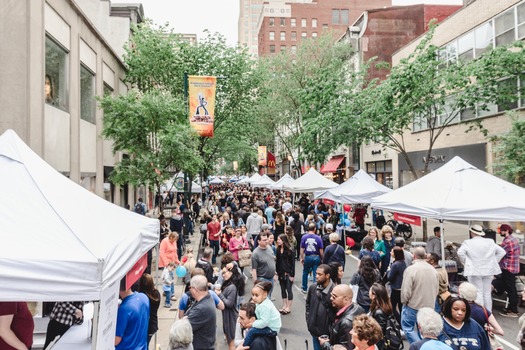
<point>168,250</point>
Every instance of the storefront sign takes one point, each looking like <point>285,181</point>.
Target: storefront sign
<point>376,152</point>
<point>435,159</point>
<point>408,219</point>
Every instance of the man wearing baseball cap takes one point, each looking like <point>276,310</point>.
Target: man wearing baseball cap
<point>510,267</point>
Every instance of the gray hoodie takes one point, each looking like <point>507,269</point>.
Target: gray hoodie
<point>253,225</point>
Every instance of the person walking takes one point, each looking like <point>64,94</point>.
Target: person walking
<point>510,267</point>
<point>311,253</point>
<point>419,289</point>
<point>395,276</point>
<point>481,257</point>
<point>214,237</point>
<point>285,268</point>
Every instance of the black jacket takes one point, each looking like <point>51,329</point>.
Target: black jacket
<point>340,329</point>
<point>319,310</point>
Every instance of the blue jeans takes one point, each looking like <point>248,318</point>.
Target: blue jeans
<point>408,324</point>
<point>315,343</point>
<point>169,291</point>
<point>311,262</point>
<point>253,332</point>
<point>215,245</point>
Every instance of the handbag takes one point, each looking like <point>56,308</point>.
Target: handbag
<point>245,257</point>
<point>494,343</point>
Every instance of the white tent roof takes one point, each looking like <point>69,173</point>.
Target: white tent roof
<point>282,182</point>
<point>360,188</point>
<point>243,180</point>
<point>457,191</point>
<point>310,182</point>
<point>264,181</point>
<point>216,181</point>
<point>254,178</point>
<point>59,241</point>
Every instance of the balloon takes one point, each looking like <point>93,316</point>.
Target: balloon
<point>347,222</point>
<point>347,207</point>
<point>350,242</point>
<point>180,271</point>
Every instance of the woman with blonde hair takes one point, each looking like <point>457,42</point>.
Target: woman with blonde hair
<point>389,243</point>
<point>168,250</point>
<point>377,237</point>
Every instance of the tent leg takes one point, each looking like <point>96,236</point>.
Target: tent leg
<point>442,241</point>
<point>94,327</point>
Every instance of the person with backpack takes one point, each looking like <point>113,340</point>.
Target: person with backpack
<point>334,252</point>
<point>381,311</point>
<point>140,208</point>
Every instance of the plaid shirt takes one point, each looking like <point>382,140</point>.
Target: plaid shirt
<point>64,312</point>
<point>511,260</point>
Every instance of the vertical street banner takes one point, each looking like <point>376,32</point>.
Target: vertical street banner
<point>201,96</point>
<point>271,163</point>
<point>262,155</point>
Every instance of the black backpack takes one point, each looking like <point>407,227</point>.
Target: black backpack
<point>392,337</point>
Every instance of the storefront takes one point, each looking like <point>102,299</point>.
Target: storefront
<point>474,154</point>
<point>335,169</point>
<point>381,171</point>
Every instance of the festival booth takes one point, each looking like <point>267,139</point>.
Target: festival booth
<point>310,182</point>
<point>457,191</point>
<point>64,243</point>
<point>216,181</point>
<point>255,177</point>
<point>176,184</point>
<point>282,182</point>
<point>263,182</point>
<point>243,180</point>
<point>360,188</point>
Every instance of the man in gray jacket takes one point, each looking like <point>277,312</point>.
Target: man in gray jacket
<point>254,225</point>
<point>434,242</point>
<point>419,289</point>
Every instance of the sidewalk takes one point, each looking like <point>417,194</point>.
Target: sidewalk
<point>168,316</point>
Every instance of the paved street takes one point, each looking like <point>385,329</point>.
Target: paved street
<point>293,331</point>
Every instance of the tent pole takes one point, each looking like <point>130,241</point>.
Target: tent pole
<point>442,241</point>
<point>94,325</point>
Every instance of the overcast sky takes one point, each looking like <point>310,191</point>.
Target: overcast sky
<point>194,16</point>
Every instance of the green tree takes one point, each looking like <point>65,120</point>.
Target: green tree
<point>511,150</point>
<point>300,88</point>
<point>425,90</point>
<point>152,124</point>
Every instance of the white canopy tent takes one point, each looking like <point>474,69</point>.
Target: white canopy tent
<point>264,182</point>
<point>360,188</point>
<point>282,182</point>
<point>243,180</point>
<point>253,178</point>
<point>310,182</point>
<point>79,243</point>
<point>457,191</point>
<point>216,181</point>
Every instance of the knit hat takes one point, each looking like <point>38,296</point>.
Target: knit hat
<point>505,227</point>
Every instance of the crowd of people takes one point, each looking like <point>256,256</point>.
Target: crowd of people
<point>255,234</point>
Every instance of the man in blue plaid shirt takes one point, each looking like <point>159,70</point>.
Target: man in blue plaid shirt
<point>63,316</point>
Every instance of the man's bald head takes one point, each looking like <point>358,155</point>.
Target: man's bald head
<point>420,253</point>
<point>341,296</point>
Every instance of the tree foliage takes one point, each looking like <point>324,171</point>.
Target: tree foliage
<point>425,89</point>
<point>151,122</point>
<point>300,88</point>
<point>511,152</point>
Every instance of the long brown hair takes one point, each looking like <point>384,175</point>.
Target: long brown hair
<point>381,300</point>
<point>147,286</point>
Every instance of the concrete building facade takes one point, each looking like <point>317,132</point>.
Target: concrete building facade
<point>477,28</point>
<point>56,57</point>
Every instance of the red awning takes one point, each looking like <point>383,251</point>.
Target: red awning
<point>332,165</point>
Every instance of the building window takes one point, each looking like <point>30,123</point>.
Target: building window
<point>293,22</point>
<point>325,26</point>
<point>303,22</point>
<point>294,36</point>
<point>381,172</point>
<point>87,95</point>
<point>55,80</point>
<point>345,17</point>
<point>484,38</point>
<point>466,47</point>
<point>521,20</point>
<point>272,48</point>
<point>314,34</point>
<point>283,21</point>
<point>314,22</point>
<point>504,28</point>
<point>335,16</point>
<point>271,21</point>
<point>283,36</point>
<point>509,88</point>
<point>272,35</point>
<point>303,35</point>
<point>293,49</point>
<point>283,48</point>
